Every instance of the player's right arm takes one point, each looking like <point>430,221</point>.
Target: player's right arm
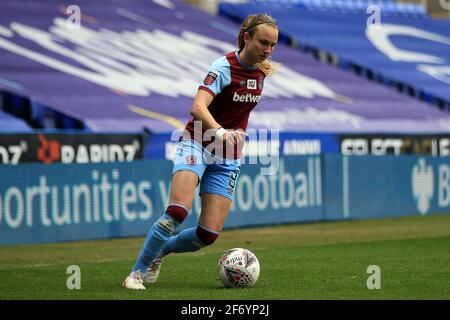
<point>201,113</point>
<point>200,110</point>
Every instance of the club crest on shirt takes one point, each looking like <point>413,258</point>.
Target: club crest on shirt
<point>210,78</point>
<point>251,84</point>
<point>260,83</point>
<point>191,160</point>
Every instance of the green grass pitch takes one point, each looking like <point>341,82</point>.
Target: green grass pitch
<point>306,261</point>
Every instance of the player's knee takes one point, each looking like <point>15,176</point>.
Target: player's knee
<point>177,211</point>
<point>206,236</point>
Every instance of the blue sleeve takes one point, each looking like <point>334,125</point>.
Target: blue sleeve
<point>218,76</point>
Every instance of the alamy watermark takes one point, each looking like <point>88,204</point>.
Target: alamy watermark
<point>374,280</point>
<point>374,19</point>
<point>74,279</point>
<point>255,146</point>
<point>73,22</point>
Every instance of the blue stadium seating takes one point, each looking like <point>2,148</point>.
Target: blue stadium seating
<point>343,34</point>
<point>9,123</point>
<point>387,7</point>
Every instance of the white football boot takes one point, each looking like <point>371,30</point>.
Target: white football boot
<point>134,281</point>
<point>152,274</point>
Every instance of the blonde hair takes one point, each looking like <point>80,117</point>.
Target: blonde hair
<point>249,25</point>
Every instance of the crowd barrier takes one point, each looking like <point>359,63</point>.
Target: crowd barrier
<point>61,202</point>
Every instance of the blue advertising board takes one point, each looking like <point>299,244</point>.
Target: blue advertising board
<point>42,203</point>
<point>359,187</point>
<point>61,202</point>
<point>163,145</point>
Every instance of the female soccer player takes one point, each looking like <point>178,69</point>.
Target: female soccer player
<point>209,151</point>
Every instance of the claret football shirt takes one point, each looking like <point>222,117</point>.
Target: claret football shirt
<point>236,88</point>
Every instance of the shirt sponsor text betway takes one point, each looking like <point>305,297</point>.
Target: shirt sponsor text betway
<point>246,97</point>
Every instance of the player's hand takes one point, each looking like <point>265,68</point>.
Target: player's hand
<point>235,137</point>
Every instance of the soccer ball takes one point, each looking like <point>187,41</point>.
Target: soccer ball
<point>238,267</point>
